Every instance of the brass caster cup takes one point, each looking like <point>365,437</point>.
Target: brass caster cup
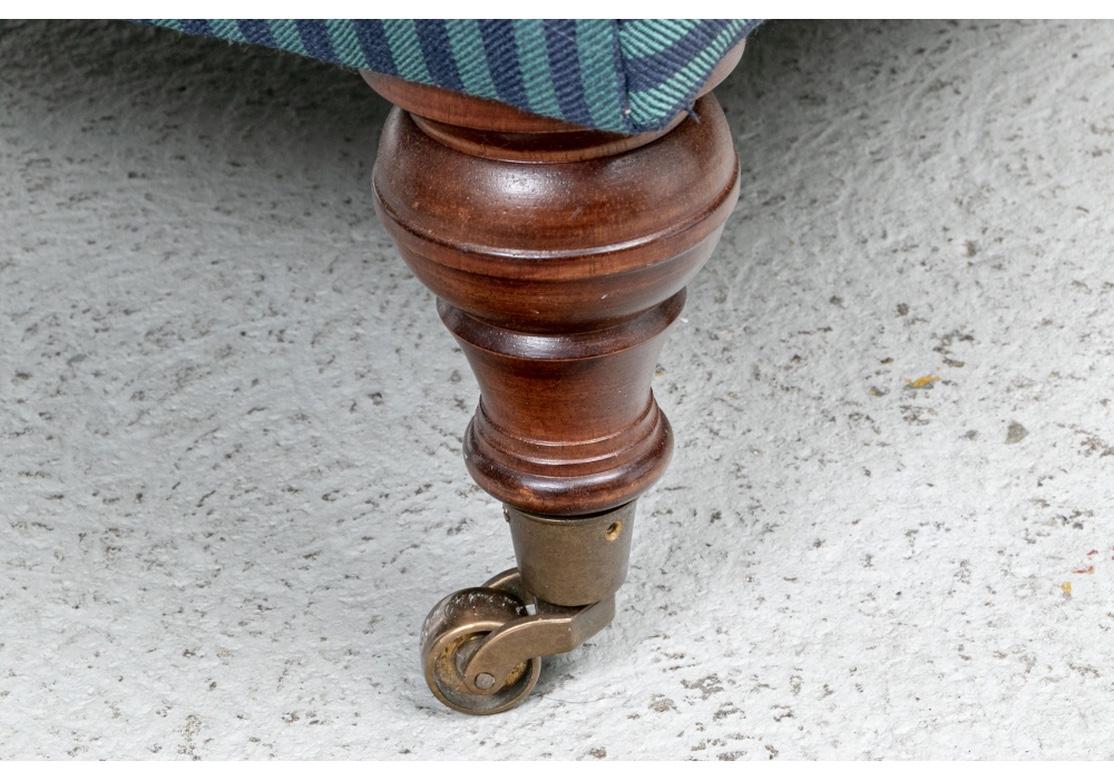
<point>572,560</point>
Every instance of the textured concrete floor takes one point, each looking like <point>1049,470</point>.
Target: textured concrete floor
<point>230,482</point>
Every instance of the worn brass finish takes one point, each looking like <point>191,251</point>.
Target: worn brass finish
<point>482,647</point>
<point>572,561</point>
<point>452,632</point>
<point>550,631</point>
<point>510,581</point>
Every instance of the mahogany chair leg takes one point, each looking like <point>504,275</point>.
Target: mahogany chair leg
<point>559,257</point>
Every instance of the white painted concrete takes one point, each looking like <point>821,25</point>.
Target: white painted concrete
<point>230,483</point>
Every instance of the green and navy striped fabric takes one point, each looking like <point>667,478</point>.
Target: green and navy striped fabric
<point>625,76</point>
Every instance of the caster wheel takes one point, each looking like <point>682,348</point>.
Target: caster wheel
<point>453,631</point>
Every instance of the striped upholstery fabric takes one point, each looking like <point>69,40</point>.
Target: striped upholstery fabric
<point>625,76</point>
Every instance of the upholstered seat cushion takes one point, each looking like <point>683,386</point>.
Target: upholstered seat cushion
<point>621,75</point>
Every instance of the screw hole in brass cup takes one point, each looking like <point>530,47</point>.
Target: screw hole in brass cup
<point>613,531</point>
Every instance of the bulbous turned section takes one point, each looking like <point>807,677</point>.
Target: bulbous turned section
<point>558,244</point>
<point>560,257</point>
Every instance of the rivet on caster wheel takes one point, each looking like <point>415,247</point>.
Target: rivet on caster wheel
<point>481,648</point>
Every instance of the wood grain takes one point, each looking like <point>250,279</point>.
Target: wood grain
<point>559,256</point>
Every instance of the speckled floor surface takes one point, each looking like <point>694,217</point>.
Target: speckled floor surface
<point>230,482</point>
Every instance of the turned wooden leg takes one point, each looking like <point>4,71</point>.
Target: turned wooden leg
<point>559,257</point>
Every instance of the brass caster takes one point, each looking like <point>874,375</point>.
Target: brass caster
<point>482,647</point>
